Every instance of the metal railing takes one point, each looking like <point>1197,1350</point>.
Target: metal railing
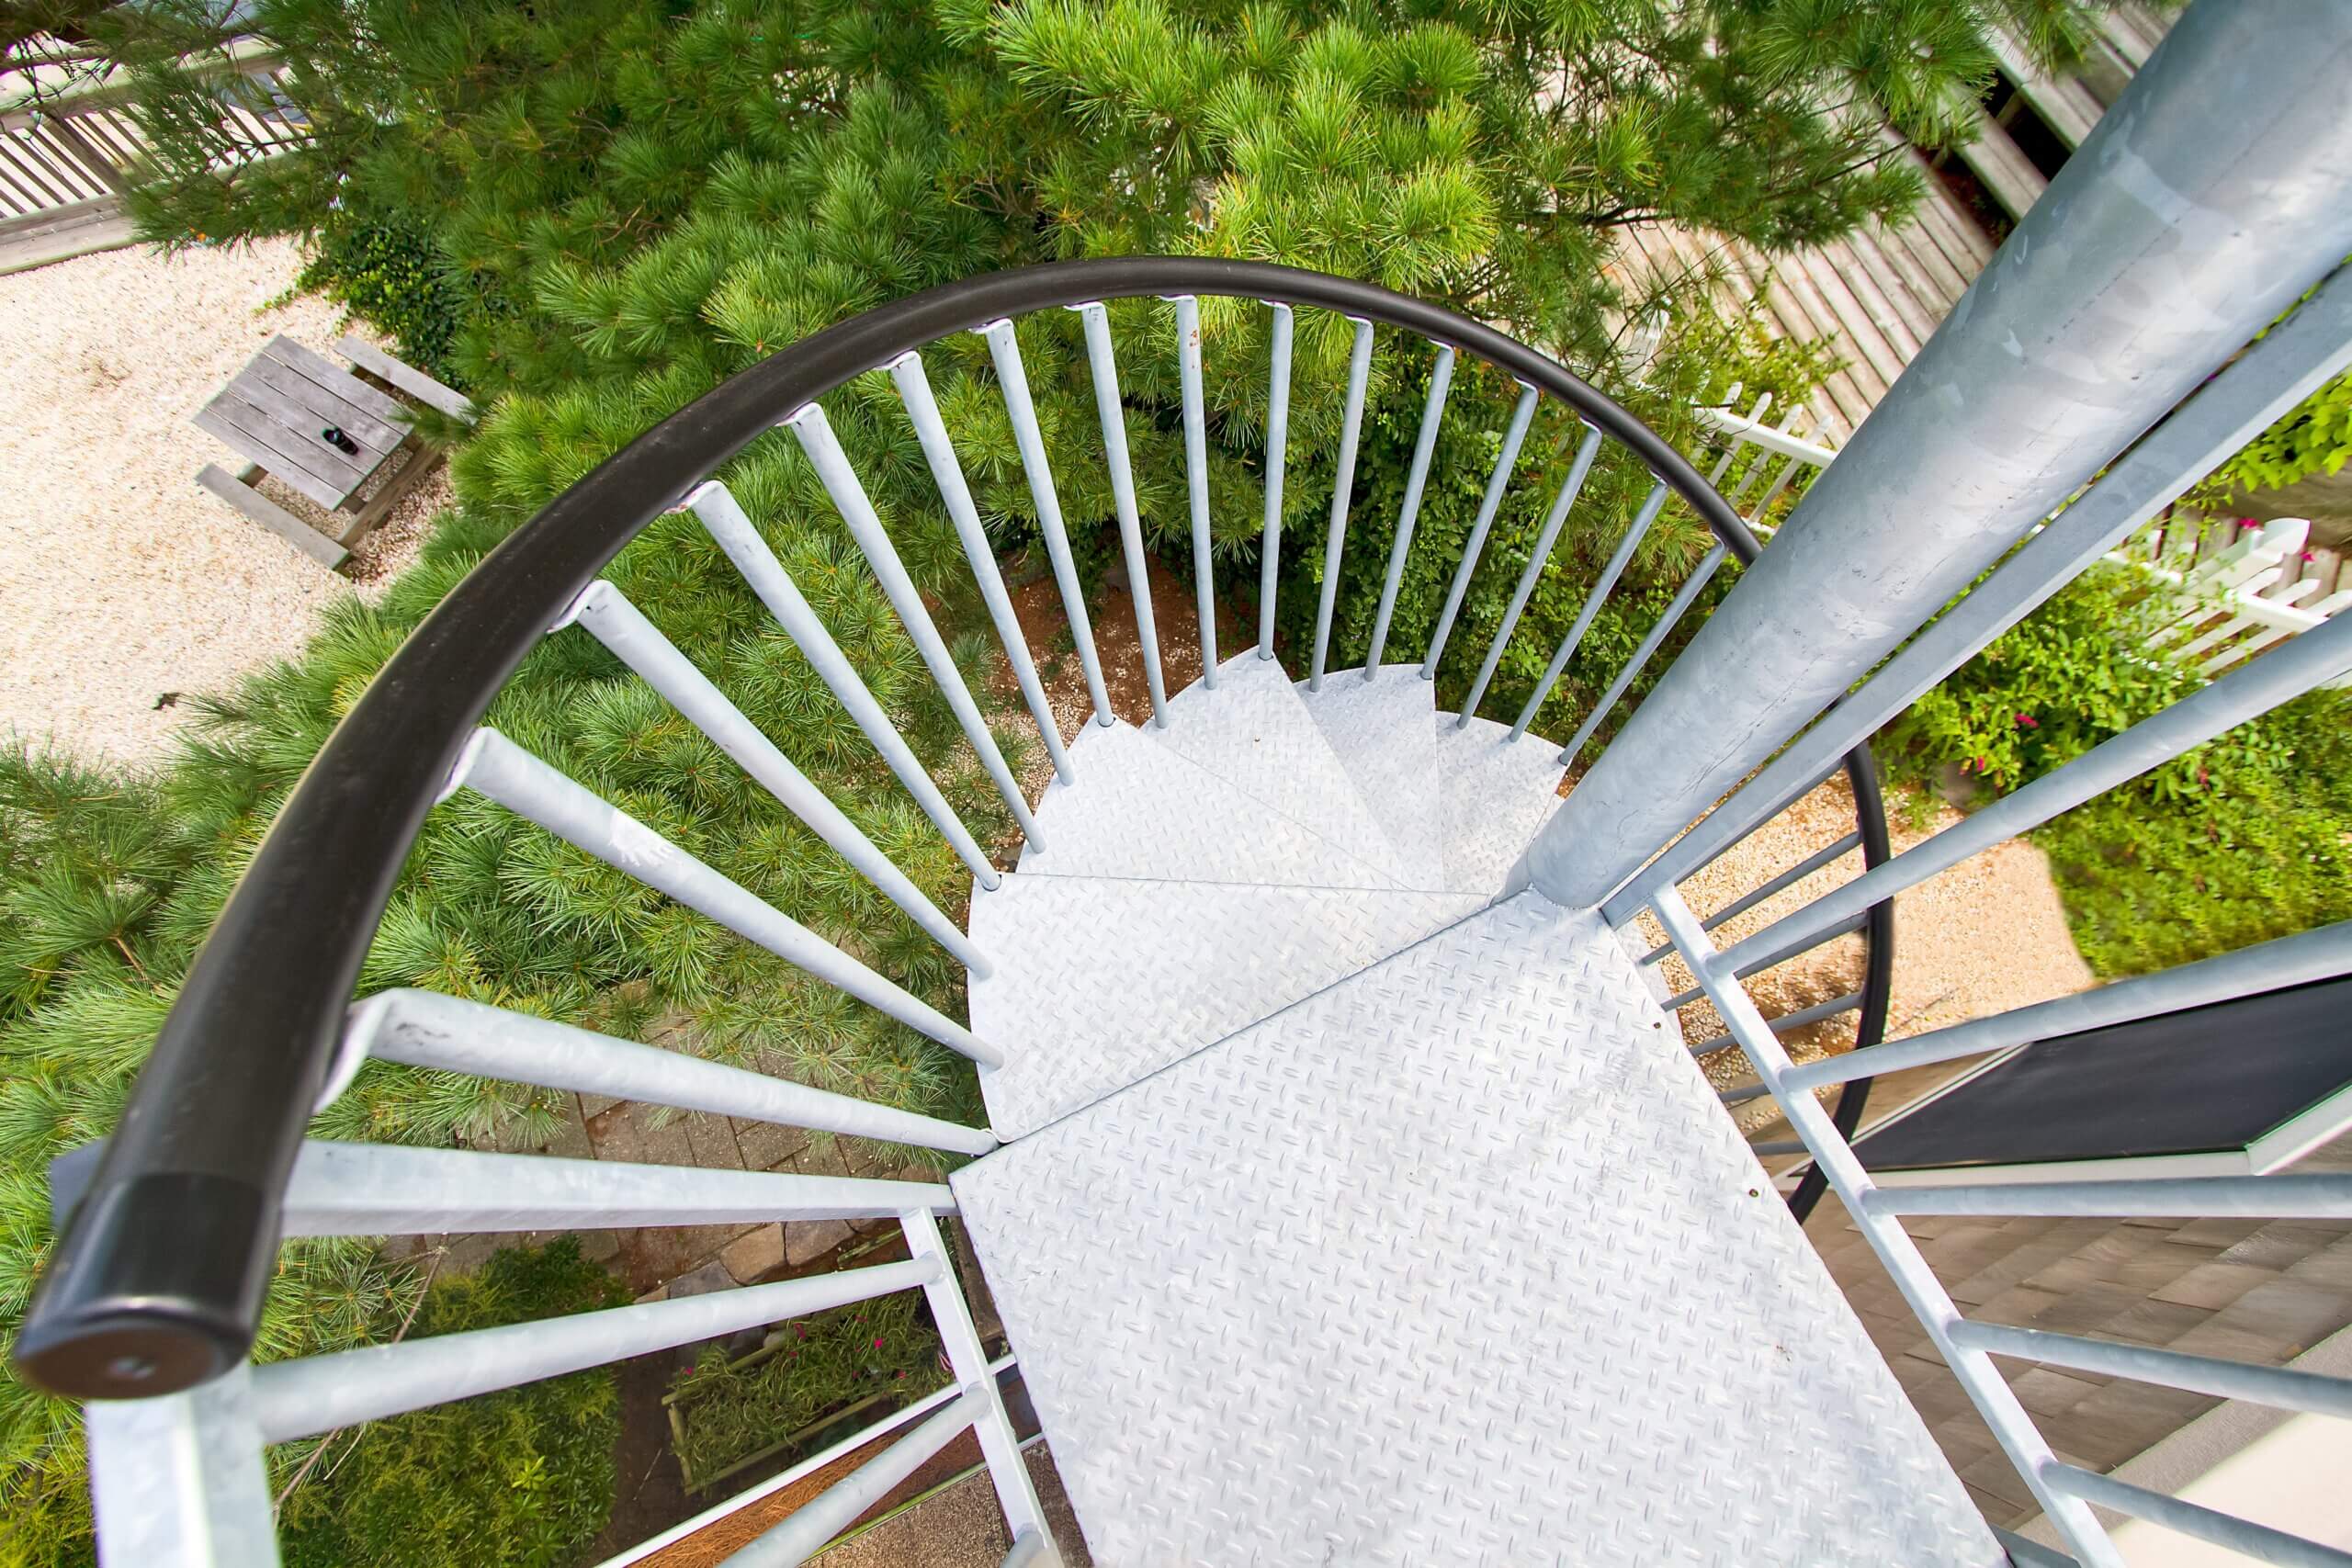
<point>150,1306</point>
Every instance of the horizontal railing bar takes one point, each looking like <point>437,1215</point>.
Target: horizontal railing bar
<point>2279,676</point>
<point>1408,514</point>
<point>823,448</point>
<point>1498,483</point>
<point>1539,558</point>
<point>342,1189</point>
<point>1111,412</point>
<point>2324,1196</point>
<point>2281,1387</point>
<point>1343,487</point>
<point>1592,603</point>
<point>318,1393</point>
<point>1788,878</point>
<point>608,615</point>
<point>2227,1530</point>
<point>1846,927</point>
<point>810,1466</point>
<point>807,1529</point>
<point>501,771</point>
<point>2318,954</point>
<point>947,477</point>
<point>1657,634</point>
<point>1012,381</point>
<point>1745,1092</point>
<point>723,517</point>
<point>2273,375</point>
<point>1788,1022</point>
<point>425,1029</point>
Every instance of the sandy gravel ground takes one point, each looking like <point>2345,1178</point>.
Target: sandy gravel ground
<point>119,580</point>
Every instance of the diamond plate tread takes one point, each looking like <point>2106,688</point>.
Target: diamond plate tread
<point>1253,732</point>
<point>1100,983</point>
<point>1139,810</point>
<point>1497,791</point>
<point>1457,1261</point>
<point>1381,730</point>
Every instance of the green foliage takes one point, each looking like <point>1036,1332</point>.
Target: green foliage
<point>391,276</point>
<point>2312,437</point>
<point>2245,838</point>
<point>813,1368</point>
<point>522,1478</point>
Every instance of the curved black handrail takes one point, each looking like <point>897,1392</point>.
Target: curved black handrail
<point>158,1282</point>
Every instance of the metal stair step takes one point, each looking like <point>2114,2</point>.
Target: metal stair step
<point>1496,793</point>
<point>1103,981</point>
<point>1137,808</point>
<point>1458,1260</point>
<point>1381,730</point>
<point>1253,732</point>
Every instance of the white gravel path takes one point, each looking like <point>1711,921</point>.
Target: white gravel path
<point>119,580</point>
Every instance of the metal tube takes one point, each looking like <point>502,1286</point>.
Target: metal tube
<point>1343,483</point>
<point>1788,878</point>
<point>2277,676</point>
<point>1000,1444</point>
<point>1788,1022</point>
<point>2322,1197</point>
<point>387,1189</point>
<point>2276,373</point>
<point>947,474</point>
<point>1416,481</point>
<point>1277,449</point>
<point>1762,962</point>
<point>1028,1552</point>
<point>2214,194</point>
<point>2318,954</point>
<point>2280,1386</point>
<point>807,1529</point>
<point>318,1393</point>
<point>179,1481</point>
<point>1497,483</point>
<point>1197,474</point>
<point>1651,506</point>
<point>1900,1256</point>
<point>1112,414</point>
<point>425,1029</point>
<point>1538,559</point>
<point>1657,634</point>
<point>814,433</point>
<point>1004,348</point>
<point>497,768</point>
<point>715,506</point>
<point>2226,1530</point>
<point>612,620</point>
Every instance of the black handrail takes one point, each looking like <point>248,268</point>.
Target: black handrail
<point>158,1282</point>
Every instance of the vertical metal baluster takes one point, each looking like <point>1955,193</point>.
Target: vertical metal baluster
<point>1108,408</point>
<point>1432,412</point>
<point>1532,573</point>
<point>1609,575</point>
<point>814,433</point>
<point>922,410</point>
<point>724,518</point>
<point>1674,612</point>
<point>1342,491</point>
<point>1004,347</point>
<point>1196,470</point>
<point>179,1481</point>
<point>1277,442</point>
<point>1496,485</point>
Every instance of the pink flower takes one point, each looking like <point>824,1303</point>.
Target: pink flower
<point>2247,523</point>
<point>877,1342</point>
<point>2027,721</point>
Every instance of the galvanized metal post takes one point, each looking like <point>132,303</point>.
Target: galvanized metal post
<point>2215,192</point>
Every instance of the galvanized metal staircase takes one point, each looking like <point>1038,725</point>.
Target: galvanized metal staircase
<point>1349,1195</point>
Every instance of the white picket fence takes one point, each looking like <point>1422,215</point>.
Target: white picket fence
<point>2233,602</point>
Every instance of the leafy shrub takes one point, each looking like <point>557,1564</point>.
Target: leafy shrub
<point>818,1365</point>
<point>392,276</point>
<point>2247,837</point>
<point>522,1478</point>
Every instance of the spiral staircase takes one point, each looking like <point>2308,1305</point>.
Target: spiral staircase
<point>1349,1193</point>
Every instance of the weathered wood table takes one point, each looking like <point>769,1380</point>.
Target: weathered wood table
<point>326,434</point>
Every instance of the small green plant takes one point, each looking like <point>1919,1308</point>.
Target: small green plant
<point>883,1350</point>
<point>392,276</point>
<point>522,1478</point>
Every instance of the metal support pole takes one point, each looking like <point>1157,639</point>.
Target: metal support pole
<point>2210,197</point>
<point>1497,483</point>
<point>1277,450</point>
<point>1343,484</point>
<point>179,1481</point>
<point>1432,412</point>
<point>1104,367</point>
<point>1196,473</point>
